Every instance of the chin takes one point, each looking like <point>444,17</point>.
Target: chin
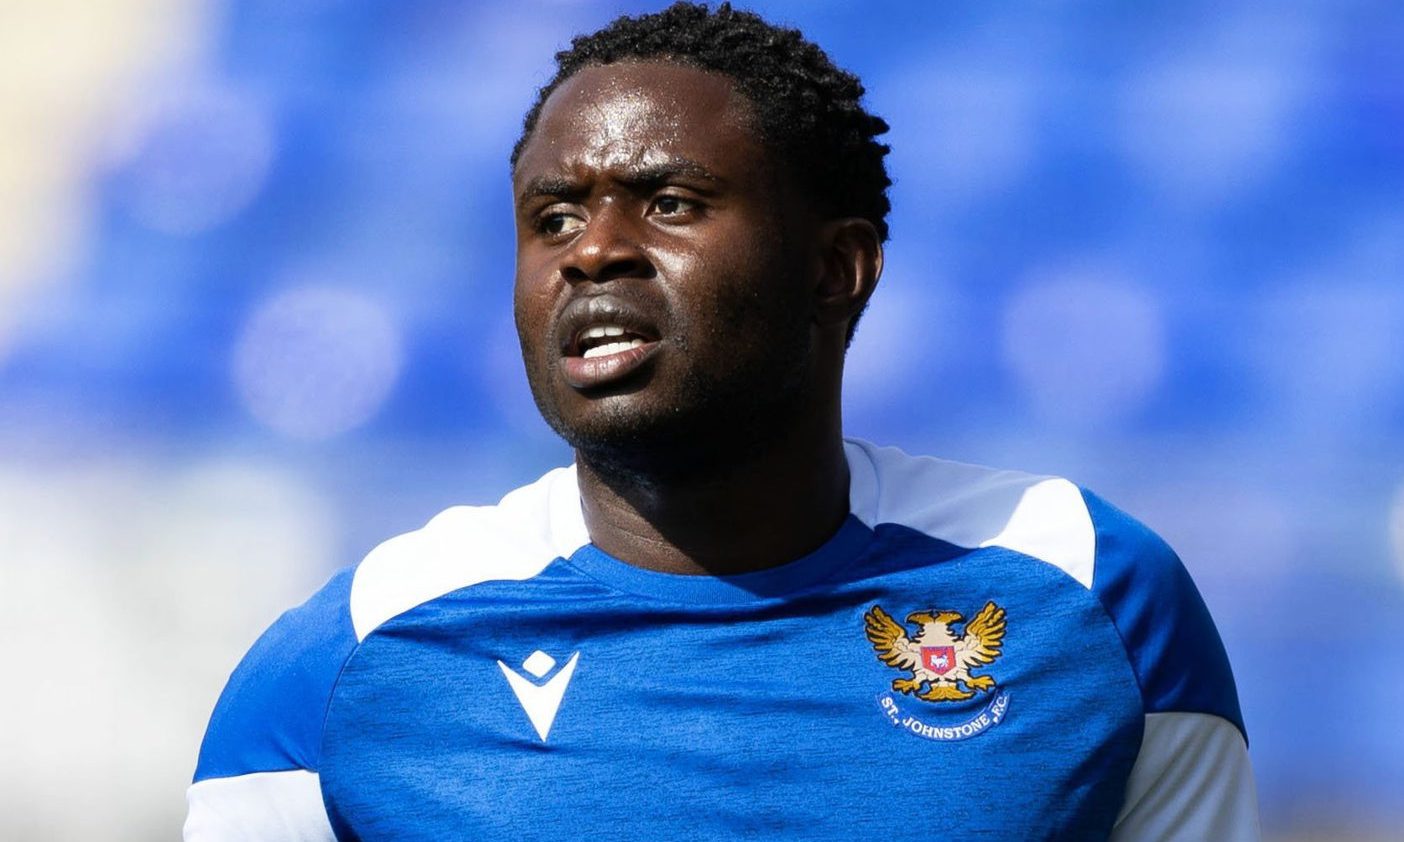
<point>627,438</point>
<point>687,421</point>
<point>677,442</point>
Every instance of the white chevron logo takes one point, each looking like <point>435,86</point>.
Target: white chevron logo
<point>539,699</point>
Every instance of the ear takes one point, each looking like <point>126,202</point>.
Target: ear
<point>850,262</point>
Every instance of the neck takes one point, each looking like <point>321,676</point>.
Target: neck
<point>781,502</point>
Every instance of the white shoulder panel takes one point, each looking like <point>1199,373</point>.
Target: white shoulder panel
<point>466,545</point>
<point>1192,781</point>
<point>971,506</point>
<point>265,806</point>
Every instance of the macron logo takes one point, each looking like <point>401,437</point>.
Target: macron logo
<point>540,699</point>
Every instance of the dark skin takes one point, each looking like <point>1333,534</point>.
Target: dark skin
<point>646,201</point>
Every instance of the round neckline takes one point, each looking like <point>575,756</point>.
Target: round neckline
<point>757,586</point>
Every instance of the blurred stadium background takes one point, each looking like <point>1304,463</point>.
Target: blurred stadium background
<point>255,270</point>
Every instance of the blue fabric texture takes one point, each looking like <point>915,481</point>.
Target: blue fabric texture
<point>1171,640</point>
<point>269,717</point>
<point>886,678</point>
<point>740,710</point>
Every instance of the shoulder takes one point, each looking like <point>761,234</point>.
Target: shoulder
<point>1043,517</point>
<point>467,545</point>
<point>269,717</point>
<point>258,772</point>
<point>1169,637</point>
<point>285,677</point>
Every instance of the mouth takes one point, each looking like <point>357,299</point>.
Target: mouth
<point>606,340</point>
<point>604,343</point>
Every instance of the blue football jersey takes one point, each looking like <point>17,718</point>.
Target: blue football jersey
<point>979,653</point>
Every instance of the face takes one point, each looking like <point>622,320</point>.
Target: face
<point>663,294</point>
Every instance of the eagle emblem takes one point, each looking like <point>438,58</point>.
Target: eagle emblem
<point>939,659</point>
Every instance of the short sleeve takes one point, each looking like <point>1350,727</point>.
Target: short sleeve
<point>257,771</point>
<point>1170,639</point>
<point>1192,779</point>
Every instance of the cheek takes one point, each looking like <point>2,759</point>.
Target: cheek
<point>741,322</point>
<point>535,283</point>
<point>730,262</point>
<point>531,309</point>
<point>757,284</point>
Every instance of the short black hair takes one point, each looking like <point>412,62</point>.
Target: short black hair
<point>809,112</point>
<point>807,109</point>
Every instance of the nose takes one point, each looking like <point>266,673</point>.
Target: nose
<point>608,248</point>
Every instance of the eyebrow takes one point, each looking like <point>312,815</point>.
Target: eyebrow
<point>644,176</point>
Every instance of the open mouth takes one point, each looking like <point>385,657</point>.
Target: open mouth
<point>604,340</point>
<point>604,353</point>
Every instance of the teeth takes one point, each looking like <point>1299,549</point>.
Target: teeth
<point>611,348</point>
<point>601,331</point>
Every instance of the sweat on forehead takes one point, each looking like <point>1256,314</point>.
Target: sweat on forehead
<point>808,111</point>
<point>634,115</point>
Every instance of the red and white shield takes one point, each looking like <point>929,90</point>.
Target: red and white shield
<point>938,659</point>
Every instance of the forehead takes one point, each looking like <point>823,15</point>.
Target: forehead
<point>627,115</point>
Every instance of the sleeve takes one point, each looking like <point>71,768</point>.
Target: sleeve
<point>1192,779</point>
<point>257,775</point>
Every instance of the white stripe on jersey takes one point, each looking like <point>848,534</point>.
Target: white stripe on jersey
<point>972,506</point>
<point>466,545</point>
<point>260,807</point>
<point>1192,781</point>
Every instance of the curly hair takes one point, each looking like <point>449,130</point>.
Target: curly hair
<point>808,112</point>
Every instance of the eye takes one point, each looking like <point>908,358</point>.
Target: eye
<point>670,205</point>
<point>559,222</point>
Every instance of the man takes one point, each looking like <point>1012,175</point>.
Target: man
<point>726,621</point>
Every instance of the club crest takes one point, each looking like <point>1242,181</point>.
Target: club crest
<point>940,660</point>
